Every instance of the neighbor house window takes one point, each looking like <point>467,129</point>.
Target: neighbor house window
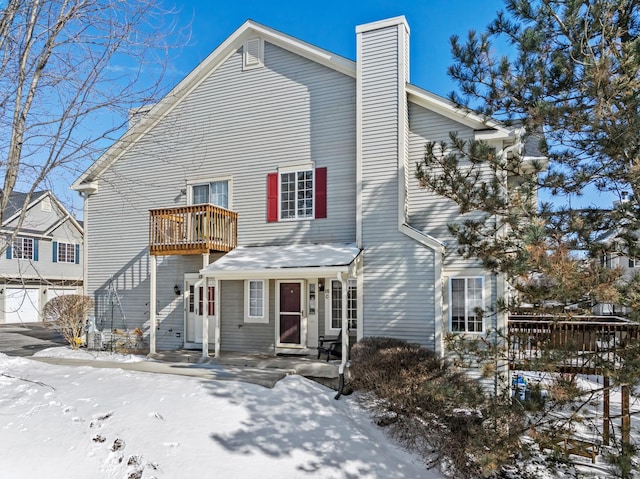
<point>256,301</point>
<point>66,253</point>
<point>23,248</point>
<point>296,195</point>
<point>632,262</point>
<point>215,193</point>
<point>466,305</point>
<point>336,304</point>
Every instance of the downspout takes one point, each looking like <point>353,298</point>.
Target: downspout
<point>345,335</point>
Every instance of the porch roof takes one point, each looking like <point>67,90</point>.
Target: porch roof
<point>284,261</point>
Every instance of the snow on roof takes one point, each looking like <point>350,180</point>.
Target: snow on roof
<point>271,261</point>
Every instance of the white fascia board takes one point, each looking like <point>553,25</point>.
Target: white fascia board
<point>276,273</point>
<point>25,208</point>
<point>427,240</point>
<point>66,215</point>
<point>200,74</point>
<point>389,22</point>
<point>24,234</point>
<point>447,109</point>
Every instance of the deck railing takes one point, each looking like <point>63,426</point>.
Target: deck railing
<point>196,229</point>
<point>587,345</point>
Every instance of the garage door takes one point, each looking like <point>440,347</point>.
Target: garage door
<point>21,305</point>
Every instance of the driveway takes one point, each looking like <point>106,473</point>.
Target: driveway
<point>27,339</point>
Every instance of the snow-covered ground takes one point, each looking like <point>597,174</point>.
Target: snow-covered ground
<point>67,422</point>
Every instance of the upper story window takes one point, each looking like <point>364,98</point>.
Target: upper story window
<point>66,253</point>
<point>23,248</point>
<point>297,194</point>
<point>336,304</point>
<point>466,304</point>
<point>215,192</point>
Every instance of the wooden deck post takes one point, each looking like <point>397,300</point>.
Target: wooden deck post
<point>606,422</point>
<point>626,418</point>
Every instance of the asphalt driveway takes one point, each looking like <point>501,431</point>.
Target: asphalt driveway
<point>26,339</point>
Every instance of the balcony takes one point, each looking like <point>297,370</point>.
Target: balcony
<point>197,229</point>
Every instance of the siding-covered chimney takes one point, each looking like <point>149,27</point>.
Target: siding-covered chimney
<point>382,126</point>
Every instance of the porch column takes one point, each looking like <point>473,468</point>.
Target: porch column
<point>345,323</point>
<point>152,306</point>
<point>217,319</point>
<point>205,318</point>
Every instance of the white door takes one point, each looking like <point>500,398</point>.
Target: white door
<point>194,303</point>
<point>22,305</point>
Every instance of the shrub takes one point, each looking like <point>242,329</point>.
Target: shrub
<point>68,314</point>
<point>434,408</point>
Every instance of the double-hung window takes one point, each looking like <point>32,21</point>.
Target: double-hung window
<point>215,192</point>
<point>23,248</point>
<point>336,304</point>
<point>466,305</point>
<point>296,194</point>
<point>256,304</point>
<point>66,253</point>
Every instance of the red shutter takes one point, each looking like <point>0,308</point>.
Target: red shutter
<point>272,197</point>
<point>200,302</point>
<point>321,192</point>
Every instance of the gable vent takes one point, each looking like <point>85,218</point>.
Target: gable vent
<point>253,54</point>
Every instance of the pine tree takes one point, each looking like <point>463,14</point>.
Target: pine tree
<point>569,82</point>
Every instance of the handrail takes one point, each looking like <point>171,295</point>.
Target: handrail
<point>194,229</point>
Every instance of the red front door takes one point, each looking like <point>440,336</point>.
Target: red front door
<point>290,313</point>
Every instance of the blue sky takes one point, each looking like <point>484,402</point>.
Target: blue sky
<point>331,25</point>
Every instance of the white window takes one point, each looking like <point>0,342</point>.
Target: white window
<point>23,248</point>
<point>296,194</point>
<point>215,193</point>
<point>256,301</point>
<point>466,302</point>
<point>66,253</point>
<point>336,304</point>
<point>632,262</point>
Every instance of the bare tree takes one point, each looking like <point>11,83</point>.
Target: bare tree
<point>65,66</point>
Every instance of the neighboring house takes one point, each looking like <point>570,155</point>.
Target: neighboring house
<point>617,256</point>
<point>270,198</point>
<point>44,259</point>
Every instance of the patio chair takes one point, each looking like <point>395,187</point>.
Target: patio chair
<point>330,346</point>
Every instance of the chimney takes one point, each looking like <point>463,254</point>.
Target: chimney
<point>382,127</point>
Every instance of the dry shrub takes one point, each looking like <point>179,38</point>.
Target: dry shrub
<point>434,408</point>
<point>68,314</point>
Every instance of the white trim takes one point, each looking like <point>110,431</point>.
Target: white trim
<point>444,107</point>
<point>303,317</point>
<point>207,181</point>
<point>313,192</point>
<point>264,318</point>
<point>359,140</point>
<point>388,22</point>
<point>483,303</point>
<point>280,274</point>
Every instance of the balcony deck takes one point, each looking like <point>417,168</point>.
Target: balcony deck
<point>584,346</point>
<point>196,229</point>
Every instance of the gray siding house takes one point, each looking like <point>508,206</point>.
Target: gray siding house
<point>269,199</point>
<point>42,257</point>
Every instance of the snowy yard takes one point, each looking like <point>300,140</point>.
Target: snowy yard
<point>64,422</point>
